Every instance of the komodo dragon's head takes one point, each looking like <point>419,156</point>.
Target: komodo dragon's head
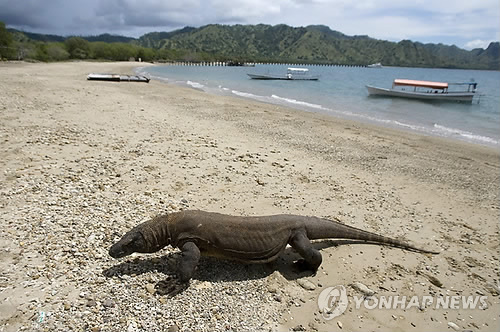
<point>144,238</point>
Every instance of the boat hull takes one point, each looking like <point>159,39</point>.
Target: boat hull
<point>465,97</point>
<point>117,78</point>
<point>283,77</point>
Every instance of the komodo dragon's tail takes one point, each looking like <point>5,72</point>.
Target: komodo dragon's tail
<point>318,228</point>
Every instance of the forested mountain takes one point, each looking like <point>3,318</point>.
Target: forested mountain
<point>106,37</point>
<point>282,43</point>
<point>153,39</point>
<point>318,44</point>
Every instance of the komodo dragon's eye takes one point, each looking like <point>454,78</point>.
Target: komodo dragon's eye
<point>138,243</point>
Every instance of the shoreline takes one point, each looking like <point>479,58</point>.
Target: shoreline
<point>81,162</point>
<point>437,130</point>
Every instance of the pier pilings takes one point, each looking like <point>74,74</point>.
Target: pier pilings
<point>252,64</point>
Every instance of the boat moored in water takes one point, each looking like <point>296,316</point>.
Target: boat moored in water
<point>375,65</point>
<point>291,74</point>
<point>427,90</point>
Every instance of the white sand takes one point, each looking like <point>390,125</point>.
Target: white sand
<point>239,157</point>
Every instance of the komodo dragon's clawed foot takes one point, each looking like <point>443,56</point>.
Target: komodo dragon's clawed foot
<point>302,265</point>
<point>171,287</point>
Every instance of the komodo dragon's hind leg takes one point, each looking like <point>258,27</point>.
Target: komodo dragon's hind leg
<point>312,257</point>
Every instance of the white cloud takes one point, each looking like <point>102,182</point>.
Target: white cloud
<point>478,43</point>
<point>446,21</point>
<point>242,10</point>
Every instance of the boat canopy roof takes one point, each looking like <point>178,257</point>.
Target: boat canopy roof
<point>424,84</point>
<point>302,70</point>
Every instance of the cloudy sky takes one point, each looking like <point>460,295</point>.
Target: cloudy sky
<point>465,23</point>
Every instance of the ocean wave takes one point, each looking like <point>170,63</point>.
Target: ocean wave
<point>363,117</point>
<point>245,94</point>
<point>299,102</point>
<point>142,71</point>
<point>159,78</point>
<point>409,126</point>
<point>195,85</point>
<point>465,134</point>
<point>342,108</point>
<point>388,122</point>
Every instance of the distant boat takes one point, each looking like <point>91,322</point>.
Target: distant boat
<point>239,64</point>
<point>375,65</point>
<point>117,78</point>
<point>291,74</point>
<point>426,90</point>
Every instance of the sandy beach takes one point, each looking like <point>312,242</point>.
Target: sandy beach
<point>82,162</point>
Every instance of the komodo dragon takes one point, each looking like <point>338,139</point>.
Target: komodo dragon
<point>245,239</point>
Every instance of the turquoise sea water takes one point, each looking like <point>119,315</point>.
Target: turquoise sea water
<point>341,92</point>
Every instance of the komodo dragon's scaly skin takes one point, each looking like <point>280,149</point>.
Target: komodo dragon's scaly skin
<point>246,239</point>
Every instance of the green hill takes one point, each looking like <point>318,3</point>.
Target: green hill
<point>279,43</point>
<point>317,44</point>
<point>105,37</point>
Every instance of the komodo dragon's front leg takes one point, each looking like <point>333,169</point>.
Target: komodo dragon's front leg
<point>189,261</point>
<point>190,256</point>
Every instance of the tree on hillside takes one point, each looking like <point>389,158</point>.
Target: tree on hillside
<point>122,51</point>
<point>101,51</point>
<point>77,47</point>
<point>145,54</point>
<point>57,52</point>
<point>7,49</point>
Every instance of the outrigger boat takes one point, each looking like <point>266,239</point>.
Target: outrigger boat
<point>117,78</point>
<point>291,74</point>
<point>426,90</point>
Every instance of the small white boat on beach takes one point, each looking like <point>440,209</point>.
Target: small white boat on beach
<point>117,78</point>
<point>427,90</point>
<point>291,74</point>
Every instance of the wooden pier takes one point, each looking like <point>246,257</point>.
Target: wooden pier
<point>252,64</point>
